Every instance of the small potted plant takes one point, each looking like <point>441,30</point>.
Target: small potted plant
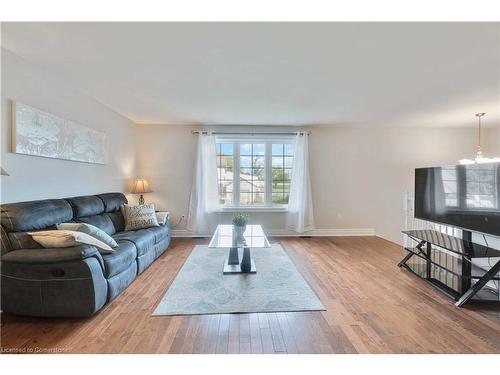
<point>240,224</point>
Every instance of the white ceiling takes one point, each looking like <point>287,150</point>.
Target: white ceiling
<point>368,74</point>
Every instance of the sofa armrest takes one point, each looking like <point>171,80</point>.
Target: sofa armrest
<point>55,255</point>
<point>63,282</point>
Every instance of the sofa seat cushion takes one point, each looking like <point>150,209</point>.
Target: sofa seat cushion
<point>160,232</point>
<point>121,259</point>
<point>143,239</point>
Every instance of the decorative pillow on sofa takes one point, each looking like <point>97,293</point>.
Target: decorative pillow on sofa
<point>91,230</point>
<point>162,216</point>
<point>68,238</point>
<point>138,217</point>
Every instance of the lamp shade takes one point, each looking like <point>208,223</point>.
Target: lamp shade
<point>141,186</point>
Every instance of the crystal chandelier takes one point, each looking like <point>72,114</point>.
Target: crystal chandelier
<point>479,155</point>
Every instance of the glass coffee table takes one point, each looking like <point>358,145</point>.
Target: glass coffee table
<point>226,237</point>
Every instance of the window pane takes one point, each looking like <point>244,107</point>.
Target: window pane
<point>279,198</point>
<point>226,198</point>
<point>252,173</point>
<point>259,149</point>
<point>278,174</point>
<point>278,162</point>
<point>259,161</point>
<point>286,186</point>
<point>258,198</point>
<point>246,173</point>
<point>289,149</point>
<point>245,182</point>
<point>224,152</point>
<point>282,162</point>
<point>278,149</point>
<point>225,161</point>
<point>246,149</point>
<point>258,184</point>
<point>226,148</point>
<point>245,198</point>
<point>245,161</point>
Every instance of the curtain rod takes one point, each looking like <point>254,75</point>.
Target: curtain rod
<point>247,133</point>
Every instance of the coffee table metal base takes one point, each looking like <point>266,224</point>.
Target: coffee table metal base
<point>236,268</point>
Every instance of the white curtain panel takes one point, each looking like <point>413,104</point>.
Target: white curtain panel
<point>204,200</point>
<point>300,217</point>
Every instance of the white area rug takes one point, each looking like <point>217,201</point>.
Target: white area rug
<point>201,288</point>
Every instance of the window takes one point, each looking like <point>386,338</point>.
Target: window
<point>254,173</point>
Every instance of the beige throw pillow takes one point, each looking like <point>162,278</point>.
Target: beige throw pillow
<point>68,238</point>
<point>141,216</point>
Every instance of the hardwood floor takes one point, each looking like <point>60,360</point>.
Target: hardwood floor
<point>372,307</point>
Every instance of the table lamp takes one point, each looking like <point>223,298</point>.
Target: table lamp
<point>141,186</point>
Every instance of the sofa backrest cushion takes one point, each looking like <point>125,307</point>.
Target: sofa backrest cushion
<point>35,215</point>
<point>112,201</point>
<point>118,220</point>
<point>19,218</point>
<point>88,205</point>
<point>102,222</point>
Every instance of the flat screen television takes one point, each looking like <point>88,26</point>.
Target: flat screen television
<point>464,196</point>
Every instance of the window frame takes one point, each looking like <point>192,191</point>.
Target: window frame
<point>268,141</point>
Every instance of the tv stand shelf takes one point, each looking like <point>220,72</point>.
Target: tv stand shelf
<point>465,249</point>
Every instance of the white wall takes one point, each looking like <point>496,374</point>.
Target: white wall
<point>492,143</point>
<point>34,177</point>
<point>370,171</point>
<point>359,175</point>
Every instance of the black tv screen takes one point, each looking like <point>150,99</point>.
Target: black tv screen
<point>465,196</point>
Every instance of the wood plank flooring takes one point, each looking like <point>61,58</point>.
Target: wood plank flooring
<point>372,307</point>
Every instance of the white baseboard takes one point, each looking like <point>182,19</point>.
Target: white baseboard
<point>287,233</point>
<point>187,233</point>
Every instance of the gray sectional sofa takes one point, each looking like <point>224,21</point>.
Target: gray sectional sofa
<point>77,281</point>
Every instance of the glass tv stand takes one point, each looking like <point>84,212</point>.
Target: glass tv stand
<point>431,240</point>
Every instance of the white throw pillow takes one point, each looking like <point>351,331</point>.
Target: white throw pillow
<point>138,217</point>
<point>91,230</point>
<point>162,216</point>
<point>68,238</point>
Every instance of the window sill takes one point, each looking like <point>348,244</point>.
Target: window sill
<point>254,209</point>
